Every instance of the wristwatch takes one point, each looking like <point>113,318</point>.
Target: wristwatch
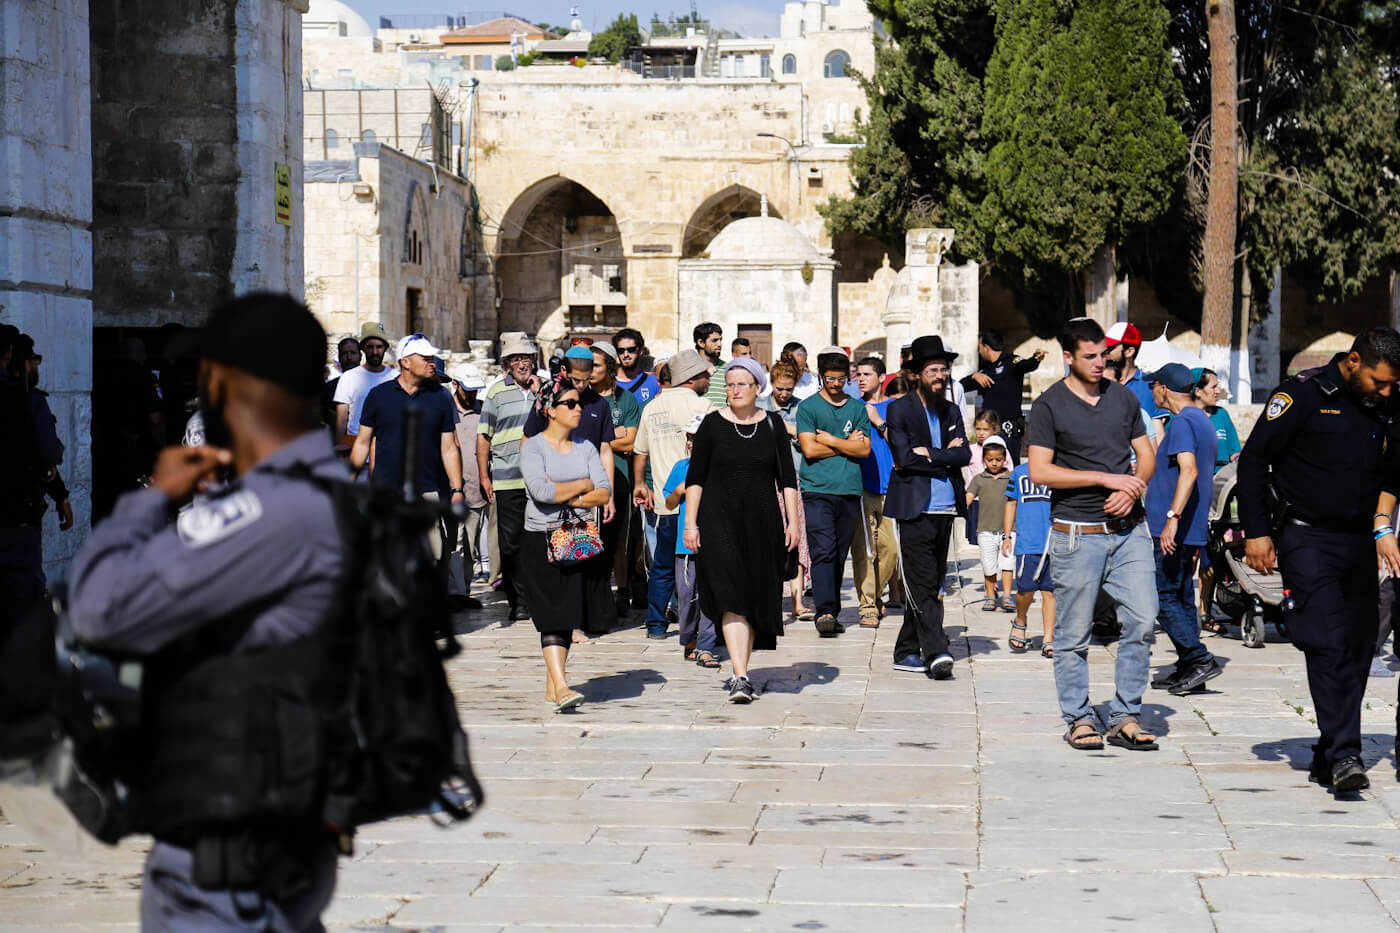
<point>455,490</point>
<point>1172,514</point>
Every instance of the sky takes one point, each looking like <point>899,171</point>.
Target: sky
<point>757,18</point>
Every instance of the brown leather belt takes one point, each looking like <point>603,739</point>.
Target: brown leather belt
<point>1111,527</point>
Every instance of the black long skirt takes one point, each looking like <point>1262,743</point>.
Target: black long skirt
<point>562,599</point>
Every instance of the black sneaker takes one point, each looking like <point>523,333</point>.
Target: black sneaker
<point>520,614</point>
<point>1195,677</point>
<point>1168,680</point>
<point>740,690</point>
<point>828,627</point>
<point>1349,774</point>
<point>623,606</point>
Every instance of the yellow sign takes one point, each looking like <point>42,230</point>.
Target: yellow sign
<point>284,194</point>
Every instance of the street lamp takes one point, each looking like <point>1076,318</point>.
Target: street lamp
<point>792,157</point>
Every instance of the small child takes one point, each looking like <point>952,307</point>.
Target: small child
<point>1028,516</point>
<point>697,633</point>
<point>983,427</point>
<point>988,490</point>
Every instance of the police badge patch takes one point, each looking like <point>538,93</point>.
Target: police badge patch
<point>216,519</point>
<point>1278,404</point>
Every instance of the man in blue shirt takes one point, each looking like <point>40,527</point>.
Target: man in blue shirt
<point>873,554</point>
<point>1124,342</point>
<point>631,374</point>
<point>1177,501</point>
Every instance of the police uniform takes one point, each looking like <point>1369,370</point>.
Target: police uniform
<point>266,546</point>
<point>1331,457</point>
<point>1008,374</point>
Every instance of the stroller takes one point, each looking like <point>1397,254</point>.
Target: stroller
<point>1247,598</point>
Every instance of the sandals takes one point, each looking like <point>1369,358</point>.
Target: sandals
<point>989,604</point>
<point>1008,604</point>
<point>707,660</point>
<point>1017,642</point>
<point>806,615</point>
<point>569,701</point>
<point>1138,741</point>
<point>1047,648</point>
<point>869,622</point>
<point>1083,737</point>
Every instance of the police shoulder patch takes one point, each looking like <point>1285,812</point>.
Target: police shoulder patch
<point>212,521</point>
<point>1279,403</point>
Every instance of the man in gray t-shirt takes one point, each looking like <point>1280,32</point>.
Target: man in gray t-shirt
<point>1085,432</point>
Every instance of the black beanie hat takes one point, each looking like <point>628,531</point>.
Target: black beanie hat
<point>269,335</point>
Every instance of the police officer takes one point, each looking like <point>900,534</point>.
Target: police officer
<point>1318,465</point>
<point>250,571</point>
<point>999,378</point>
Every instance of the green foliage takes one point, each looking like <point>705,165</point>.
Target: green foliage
<point>1086,145</point>
<point>612,43</point>
<point>505,63</point>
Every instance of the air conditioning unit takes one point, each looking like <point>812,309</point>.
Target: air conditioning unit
<point>414,38</point>
<point>814,173</point>
<point>826,128</point>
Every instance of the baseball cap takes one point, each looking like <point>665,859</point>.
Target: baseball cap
<point>373,329</point>
<point>694,426</point>
<point>1174,377</point>
<point>1123,332</point>
<point>467,376</point>
<point>415,345</point>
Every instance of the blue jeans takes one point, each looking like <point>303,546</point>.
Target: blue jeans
<point>649,534</point>
<point>831,521</point>
<point>662,585</point>
<point>1176,603</point>
<point>1121,565</point>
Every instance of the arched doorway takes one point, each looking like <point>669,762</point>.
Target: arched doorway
<point>719,211</point>
<point>560,263</point>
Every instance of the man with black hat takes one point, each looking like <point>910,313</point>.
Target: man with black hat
<point>251,568</point>
<point>928,444</point>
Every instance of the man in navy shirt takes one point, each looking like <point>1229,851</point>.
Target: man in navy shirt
<point>1178,500</point>
<point>382,428</point>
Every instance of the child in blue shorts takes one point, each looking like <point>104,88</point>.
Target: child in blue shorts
<point>1028,515</point>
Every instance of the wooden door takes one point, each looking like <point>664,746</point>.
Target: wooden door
<point>760,337</point>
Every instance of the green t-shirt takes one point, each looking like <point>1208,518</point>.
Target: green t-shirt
<point>839,475</point>
<point>626,413</point>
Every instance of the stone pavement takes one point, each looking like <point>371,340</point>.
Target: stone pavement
<point>849,797</point>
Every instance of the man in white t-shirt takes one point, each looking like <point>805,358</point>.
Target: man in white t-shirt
<point>355,383</point>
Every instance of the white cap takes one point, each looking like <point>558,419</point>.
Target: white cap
<point>467,376</point>
<point>834,350</point>
<point>996,440</point>
<point>415,344</point>
<point>694,426</point>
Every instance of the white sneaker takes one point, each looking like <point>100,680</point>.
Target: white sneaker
<point>1379,669</point>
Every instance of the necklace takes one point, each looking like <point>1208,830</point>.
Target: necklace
<point>748,436</point>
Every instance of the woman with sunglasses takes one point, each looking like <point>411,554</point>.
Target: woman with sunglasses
<point>564,480</point>
<point>739,455</point>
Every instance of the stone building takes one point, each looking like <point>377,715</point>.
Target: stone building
<point>141,154</point>
<point>760,278</point>
<point>389,239</point>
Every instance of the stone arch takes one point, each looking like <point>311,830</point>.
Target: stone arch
<point>1319,352</point>
<point>561,265</point>
<point>789,64</point>
<point>414,249</point>
<point>718,211</point>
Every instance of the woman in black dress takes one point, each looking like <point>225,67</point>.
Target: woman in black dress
<point>733,523</point>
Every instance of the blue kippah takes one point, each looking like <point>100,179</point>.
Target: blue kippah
<point>579,352</point>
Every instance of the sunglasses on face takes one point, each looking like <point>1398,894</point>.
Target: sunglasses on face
<point>626,349</point>
<point>569,403</point>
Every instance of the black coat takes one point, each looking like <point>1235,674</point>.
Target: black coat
<point>907,428</point>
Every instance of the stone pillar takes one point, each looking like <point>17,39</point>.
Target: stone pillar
<point>1264,350</point>
<point>268,94</point>
<point>45,221</point>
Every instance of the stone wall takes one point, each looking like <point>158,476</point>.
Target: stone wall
<point>192,106</point>
<point>400,198</point>
<point>45,214</point>
<point>735,294</point>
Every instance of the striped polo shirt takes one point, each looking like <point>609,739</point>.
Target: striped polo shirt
<point>717,396</point>
<point>503,415</point>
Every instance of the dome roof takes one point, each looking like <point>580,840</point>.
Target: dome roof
<point>763,239</point>
<point>333,11</point>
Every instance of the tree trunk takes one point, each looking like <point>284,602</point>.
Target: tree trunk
<point>1222,191</point>
<point>1100,282</point>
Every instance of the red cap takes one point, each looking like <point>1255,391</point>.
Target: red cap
<point>1123,332</point>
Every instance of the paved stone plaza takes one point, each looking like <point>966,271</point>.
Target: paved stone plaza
<point>849,797</point>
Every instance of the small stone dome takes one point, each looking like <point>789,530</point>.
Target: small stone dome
<point>333,11</point>
<point>763,239</point>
